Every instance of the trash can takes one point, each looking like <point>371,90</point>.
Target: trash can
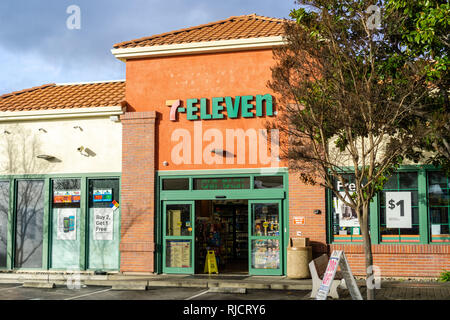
<point>298,259</point>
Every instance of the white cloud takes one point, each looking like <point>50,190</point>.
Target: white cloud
<point>21,70</point>
<point>36,47</point>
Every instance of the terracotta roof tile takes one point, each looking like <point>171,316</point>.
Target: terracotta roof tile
<point>238,27</point>
<point>62,96</point>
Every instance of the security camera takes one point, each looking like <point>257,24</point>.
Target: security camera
<point>80,149</point>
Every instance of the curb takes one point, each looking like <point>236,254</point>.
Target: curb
<point>115,284</point>
<point>142,286</point>
<point>227,290</point>
<point>40,285</point>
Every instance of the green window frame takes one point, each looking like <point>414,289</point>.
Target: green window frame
<point>438,204</point>
<point>421,204</point>
<point>397,235</point>
<point>5,191</point>
<point>30,215</point>
<point>269,263</point>
<point>47,242</point>
<point>252,193</point>
<point>341,234</point>
<point>65,247</point>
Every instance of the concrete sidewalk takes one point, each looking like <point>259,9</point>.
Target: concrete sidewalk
<point>405,290</point>
<point>140,282</point>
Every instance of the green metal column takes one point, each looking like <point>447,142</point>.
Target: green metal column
<point>83,222</point>
<point>423,208</point>
<point>46,237</point>
<point>374,219</point>
<point>11,226</point>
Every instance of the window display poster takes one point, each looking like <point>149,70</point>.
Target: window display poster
<point>103,223</point>
<point>67,196</point>
<point>398,210</point>
<point>67,222</point>
<point>102,195</point>
<point>435,229</point>
<point>180,254</point>
<point>266,254</point>
<point>347,215</point>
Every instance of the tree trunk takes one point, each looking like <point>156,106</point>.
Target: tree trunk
<point>367,251</point>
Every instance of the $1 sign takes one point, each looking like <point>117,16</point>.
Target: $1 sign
<point>401,203</point>
<point>398,210</point>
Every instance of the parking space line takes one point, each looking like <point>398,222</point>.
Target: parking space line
<point>10,288</point>
<point>88,294</point>
<point>198,295</point>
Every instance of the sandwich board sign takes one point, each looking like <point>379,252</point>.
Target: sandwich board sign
<point>338,258</point>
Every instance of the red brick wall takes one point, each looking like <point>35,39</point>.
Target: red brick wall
<point>137,245</point>
<point>400,260</point>
<point>303,200</point>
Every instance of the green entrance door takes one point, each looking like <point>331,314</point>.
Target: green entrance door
<point>264,242</point>
<point>178,237</point>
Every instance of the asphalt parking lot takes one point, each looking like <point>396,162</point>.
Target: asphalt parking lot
<point>17,292</point>
<point>389,291</point>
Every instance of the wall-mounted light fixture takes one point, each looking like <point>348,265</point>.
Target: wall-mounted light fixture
<point>165,163</point>
<point>217,151</point>
<point>223,153</point>
<point>317,212</point>
<point>46,157</point>
<point>86,152</point>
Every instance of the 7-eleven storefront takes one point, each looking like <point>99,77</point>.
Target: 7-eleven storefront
<point>218,183</point>
<point>200,170</point>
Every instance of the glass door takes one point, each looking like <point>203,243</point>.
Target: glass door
<point>178,236</point>
<point>104,224</point>
<point>265,237</point>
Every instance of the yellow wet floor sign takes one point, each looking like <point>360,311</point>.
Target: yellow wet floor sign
<point>211,263</point>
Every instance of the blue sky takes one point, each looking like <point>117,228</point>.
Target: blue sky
<point>36,47</point>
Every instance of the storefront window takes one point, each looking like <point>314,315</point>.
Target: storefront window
<point>66,198</point>
<point>265,220</point>
<point>178,220</point>
<point>344,219</point>
<point>4,209</point>
<point>104,223</point>
<point>399,208</point>
<point>439,206</point>
<point>269,182</point>
<point>227,183</point>
<point>175,184</point>
<point>265,254</point>
<point>29,224</point>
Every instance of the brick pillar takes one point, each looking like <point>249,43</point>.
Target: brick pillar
<point>137,245</point>
<point>303,200</point>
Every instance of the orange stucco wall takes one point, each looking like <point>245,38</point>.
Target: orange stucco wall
<point>153,81</point>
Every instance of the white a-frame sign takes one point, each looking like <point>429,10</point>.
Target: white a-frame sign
<point>338,259</point>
